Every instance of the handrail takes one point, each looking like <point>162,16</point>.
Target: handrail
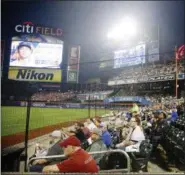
<point>97,152</point>
<point>99,173</point>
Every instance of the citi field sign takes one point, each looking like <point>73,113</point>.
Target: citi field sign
<point>30,28</point>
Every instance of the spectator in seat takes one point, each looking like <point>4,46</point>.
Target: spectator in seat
<point>106,137</point>
<point>136,134</point>
<point>79,133</point>
<point>97,144</point>
<point>85,130</point>
<point>135,108</point>
<point>97,122</point>
<point>157,128</point>
<point>118,120</point>
<point>174,115</point>
<point>90,124</point>
<point>180,109</point>
<point>55,149</point>
<point>79,161</point>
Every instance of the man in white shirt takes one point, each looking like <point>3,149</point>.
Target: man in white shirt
<point>136,134</point>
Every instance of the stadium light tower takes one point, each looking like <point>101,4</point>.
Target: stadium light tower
<point>126,29</point>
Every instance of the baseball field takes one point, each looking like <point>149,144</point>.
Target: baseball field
<point>13,119</point>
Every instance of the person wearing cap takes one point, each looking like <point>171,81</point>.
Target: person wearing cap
<point>54,149</point>
<point>78,161</point>
<point>97,144</point>
<point>23,55</point>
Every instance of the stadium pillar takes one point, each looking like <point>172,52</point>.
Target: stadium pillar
<point>27,130</point>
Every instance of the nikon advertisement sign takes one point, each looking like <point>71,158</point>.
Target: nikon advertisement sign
<point>36,75</point>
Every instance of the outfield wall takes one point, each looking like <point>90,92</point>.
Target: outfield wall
<point>62,105</point>
<point>51,105</point>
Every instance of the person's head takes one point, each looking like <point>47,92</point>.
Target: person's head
<point>162,116</point>
<point>103,128</point>
<point>70,145</point>
<point>88,121</point>
<point>96,133</point>
<point>24,49</point>
<point>134,113</point>
<point>135,121</point>
<point>79,125</point>
<point>98,119</point>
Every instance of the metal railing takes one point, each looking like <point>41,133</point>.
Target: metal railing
<point>92,153</point>
<point>23,173</point>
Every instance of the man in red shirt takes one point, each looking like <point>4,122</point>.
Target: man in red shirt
<point>79,161</point>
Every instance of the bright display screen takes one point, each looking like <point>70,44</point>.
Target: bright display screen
<point>34,54</point>
<point>130,56</point>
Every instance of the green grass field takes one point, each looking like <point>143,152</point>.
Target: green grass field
<point>13,119</point>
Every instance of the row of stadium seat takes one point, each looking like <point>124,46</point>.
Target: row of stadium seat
<point>174,140</point>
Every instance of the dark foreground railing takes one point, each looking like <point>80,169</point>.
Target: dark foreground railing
<point>101,173</point>
<point>93,153</point>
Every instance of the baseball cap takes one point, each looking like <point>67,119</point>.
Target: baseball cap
<point>27,44</point>
<point>70,141</point>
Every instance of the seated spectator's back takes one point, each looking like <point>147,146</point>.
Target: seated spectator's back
<point>97,144</point>
<point>106,137</point>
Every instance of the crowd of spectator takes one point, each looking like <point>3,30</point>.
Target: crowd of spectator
<point>49,96</point>
<point>98,95</point>
<point>149,71</point>
<point>136,131</point>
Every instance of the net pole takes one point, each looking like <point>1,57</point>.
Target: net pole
<point>27,130</point>
<point>95,108</point>
<point>89,107</point>
<point>176,73</point>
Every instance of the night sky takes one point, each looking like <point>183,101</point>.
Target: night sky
<point>87,23</point>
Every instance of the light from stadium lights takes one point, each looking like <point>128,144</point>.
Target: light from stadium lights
<point>125,30</point>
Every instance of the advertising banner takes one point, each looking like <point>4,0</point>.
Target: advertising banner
<point>144,79</point>
<point>123,99</point>
<point>73,64</point>
<point>36,75</point>
<point>161,78</point>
